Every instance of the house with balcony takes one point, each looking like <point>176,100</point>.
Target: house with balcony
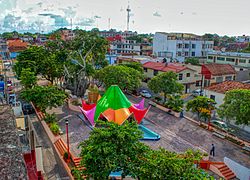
<point>185,75</point>
<point>217,73</point>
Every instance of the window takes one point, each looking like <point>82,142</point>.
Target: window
<point>145,69</point>
<point>180,76</point>
<point>193,53</point>
<point>249,61</point>
<point>197,83</point>
<point>179,53</point>
<point>241,69</point>
<point>210,57</point>
<point>188,74</point>
<point>242,61</point>
<point>220,58</point>
<point>219,79</point>
<point>212,97</point>
<point>179,45</point>
<point>186,45</point>
<point>155,72</point>
<point>228,78</point>
<point>230,59</point>
<point>186,53</point>
<point>193,46</point>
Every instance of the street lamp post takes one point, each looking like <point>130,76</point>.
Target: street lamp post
<point>67,133</point>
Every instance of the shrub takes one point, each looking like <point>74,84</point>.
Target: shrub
<point>54,127</point>
<point>75,102</point>
<point>175,103</point>
<point>50,118</point>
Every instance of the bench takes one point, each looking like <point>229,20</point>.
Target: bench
<point>222,136</point>
<point>62,148</point>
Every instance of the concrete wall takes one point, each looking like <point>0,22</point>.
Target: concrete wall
<point>218,97</point>
<point>240,171</point>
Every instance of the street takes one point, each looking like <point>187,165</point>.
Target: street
<point>176,134</point>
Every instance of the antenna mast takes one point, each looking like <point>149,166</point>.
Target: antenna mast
<point>128,17</point>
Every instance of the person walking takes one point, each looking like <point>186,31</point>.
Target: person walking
<point>212,150</point>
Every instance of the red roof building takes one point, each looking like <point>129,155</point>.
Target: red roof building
<point>163,67</point>
<point>227,86</point>
<point>16,45</point>
<point>217,73</point>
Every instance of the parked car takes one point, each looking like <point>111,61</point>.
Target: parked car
<point>145,93</point>
<point>197,92</point>
<point>27,108</point>
<point>222,125</point>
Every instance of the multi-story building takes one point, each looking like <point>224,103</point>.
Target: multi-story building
<point>240,61</point>
<point>67,34</point>
<point>125,47</point>
<point>186,76</point>
<point>217,73</point>
<point>178,46</point>
<point>113,33</point>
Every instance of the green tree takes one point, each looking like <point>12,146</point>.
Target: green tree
<point>163,164</point>
<point>112,147</point>
<point>247,49</point>
<point>125,77</point>
<point>135,65</point>
<point>44,97</point>
<point>193,61</point>
<point>165,83</point>
<point>175,102</point>
<point>236,106</point>
<point>202,106</point>
<point>30,58</point>
<point>28,78</point>
<point>87,50</point>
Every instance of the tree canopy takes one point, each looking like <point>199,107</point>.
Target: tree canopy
<point>28,78</point>
<point>113,147</point>
<point>44,96</point>
<point>193,61</point>
<point>125,77</point>
<point>236,106</point>
<point>135,65</point>
<point>165,83</point>
<point>202,106</point>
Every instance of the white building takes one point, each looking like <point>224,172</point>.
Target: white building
<point>242,39</point>
<point>178,46</point>
<point>125,47</point>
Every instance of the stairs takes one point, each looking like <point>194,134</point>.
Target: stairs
<point>226,172</point>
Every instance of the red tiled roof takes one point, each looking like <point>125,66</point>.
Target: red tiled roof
<point>16,45</point>
<point>175,67</point>
<point>220,69</point>
<point>227,86</point>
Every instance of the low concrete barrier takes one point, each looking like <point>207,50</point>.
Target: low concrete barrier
<point>240,171</point>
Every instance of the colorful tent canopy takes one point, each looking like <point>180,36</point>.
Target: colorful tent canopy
<point>114,106</point>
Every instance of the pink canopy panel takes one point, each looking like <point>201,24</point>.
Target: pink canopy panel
<point>89,114</point>
<point>140,105</point>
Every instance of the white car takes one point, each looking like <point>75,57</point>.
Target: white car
<point>197,92</point>
<point>145,93</point>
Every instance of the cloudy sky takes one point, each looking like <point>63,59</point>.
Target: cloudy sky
<point>224,17</point>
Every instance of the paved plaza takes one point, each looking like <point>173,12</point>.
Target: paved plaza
<point>176,134</point>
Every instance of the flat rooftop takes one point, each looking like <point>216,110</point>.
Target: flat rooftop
<point>12,164</point>
<point>233,54</point>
